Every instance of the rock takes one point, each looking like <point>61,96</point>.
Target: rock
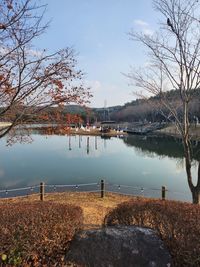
<point>119,246</point>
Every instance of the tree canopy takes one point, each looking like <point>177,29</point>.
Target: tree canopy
<point>33,80</point>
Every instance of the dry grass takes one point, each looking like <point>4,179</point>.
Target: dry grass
<point>176,222</point>
<point>94,207</point>
<point>36,233</point>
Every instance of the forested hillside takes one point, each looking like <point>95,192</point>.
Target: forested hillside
<point>149,109</point>
<point>137,110</point>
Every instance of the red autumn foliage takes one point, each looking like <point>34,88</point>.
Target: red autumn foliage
<point>177,223</point>
<point>37,234</point>
<point>33,81</point>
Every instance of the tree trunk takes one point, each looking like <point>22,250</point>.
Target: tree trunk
<point>195,190</point>
<point>196,195</point>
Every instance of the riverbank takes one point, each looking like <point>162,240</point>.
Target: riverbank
<point>169,130</point>
<point>94,207</point>
<point>97,132</point>
<point>79,131</point>
<point>172,131</point>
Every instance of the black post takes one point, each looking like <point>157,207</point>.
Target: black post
<point>42,191</point>
<point>102,188</point>
<point>163,192</point>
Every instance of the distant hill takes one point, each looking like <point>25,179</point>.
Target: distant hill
<point>74,109</point>
<point>134,111</point>
<point>150,109</point>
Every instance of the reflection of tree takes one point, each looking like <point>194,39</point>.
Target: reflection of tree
<point>180,163</point>
<point>144,153</point>
<point>159,145</point>
<point>53,130</point>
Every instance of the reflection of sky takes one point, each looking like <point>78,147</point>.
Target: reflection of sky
<point>50,160</point>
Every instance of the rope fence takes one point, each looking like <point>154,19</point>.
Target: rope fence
<point>102,187</point>
<point>136,190</point>
<point>19,192</point>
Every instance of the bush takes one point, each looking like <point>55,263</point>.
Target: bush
<point>177,223</point>
<point>37,234</point>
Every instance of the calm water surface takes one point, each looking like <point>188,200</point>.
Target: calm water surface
<point>144,162</point>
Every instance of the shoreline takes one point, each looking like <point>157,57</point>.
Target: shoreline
<point>94,132</point>
<point>73,131</point>
<point>94,207</point>
<point>168,131</point>
<point>172,131</point>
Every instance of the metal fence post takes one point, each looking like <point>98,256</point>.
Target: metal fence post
<point>163,192</point>
<point>102,188</point>
<point>42,191</point>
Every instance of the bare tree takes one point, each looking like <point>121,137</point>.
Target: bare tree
<point>175,55</point>
<point>32,80</point>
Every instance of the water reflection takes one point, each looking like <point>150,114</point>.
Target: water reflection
<point>80,139</point>
<point>87,142</point>
<point>70,147</point>
<point>133,160</point>
<point>96,143</point>
<point>88,145</point>
<point>161,146</point>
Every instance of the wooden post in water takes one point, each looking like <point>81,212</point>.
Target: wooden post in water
<point>96,142</point>
<point>88,145</point>
<point>102,188</point>
<point>163,192</point>
<point>79,141</point>
<point>42,191</point>
<point>70,147</point>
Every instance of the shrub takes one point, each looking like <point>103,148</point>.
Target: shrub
<point>37,233</point>
<point>177,223</point>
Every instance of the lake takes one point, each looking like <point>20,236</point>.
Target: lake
<point>138,165</point>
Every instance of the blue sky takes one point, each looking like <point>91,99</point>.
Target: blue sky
<point>98,31</point>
